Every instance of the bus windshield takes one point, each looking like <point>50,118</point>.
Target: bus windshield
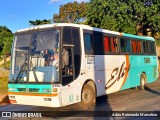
<point>35,57</point>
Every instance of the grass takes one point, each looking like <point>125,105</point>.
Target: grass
<point>4,75</point>
<point>4,81</point>
<point>7,65</point>
<point>1,57</point>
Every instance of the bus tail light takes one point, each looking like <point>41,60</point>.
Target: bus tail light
<point>55,90</point>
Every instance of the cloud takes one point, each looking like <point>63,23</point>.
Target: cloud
<point>53,1</point>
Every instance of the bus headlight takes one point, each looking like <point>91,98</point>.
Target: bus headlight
<point>46,90</point>
<point>12,89</point>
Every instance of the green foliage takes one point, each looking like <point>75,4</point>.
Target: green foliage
<point>7,65</point>
<point>157,37</point>
<point>132,16</point>
<point>71,12</point>
<point>6,38</point>
<point>39,22</point>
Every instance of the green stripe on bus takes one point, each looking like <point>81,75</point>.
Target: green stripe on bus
<point>137,37</point>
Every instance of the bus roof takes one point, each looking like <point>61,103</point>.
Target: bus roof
<point>87,28</point>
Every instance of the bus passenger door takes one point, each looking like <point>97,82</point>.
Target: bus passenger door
<point>70,71</point>
<point>67,75</point>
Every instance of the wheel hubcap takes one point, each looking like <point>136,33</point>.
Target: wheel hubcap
<point>86,96</point>
<point>143,81</point>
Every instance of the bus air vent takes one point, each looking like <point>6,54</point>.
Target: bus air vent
<point>21,89</point>
<point>33,89</point>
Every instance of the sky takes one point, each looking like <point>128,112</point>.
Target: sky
<point>16,14</point>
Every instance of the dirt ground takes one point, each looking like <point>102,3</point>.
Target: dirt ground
<point>3,86</point>
<point>4,100</point>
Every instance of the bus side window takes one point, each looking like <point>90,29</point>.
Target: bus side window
<point>145,47</point>
<point>152,48</point>
<point>106,44</point>
<point>114,44</point>
<point>128,46</point>
<point>88,43</point>
<point>123,44</point>
<point>134,46</point>
<point>139,47</point>
<point>98,43</point>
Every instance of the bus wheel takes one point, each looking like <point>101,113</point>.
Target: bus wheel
<point>142,81</point>
<point>88,95</point>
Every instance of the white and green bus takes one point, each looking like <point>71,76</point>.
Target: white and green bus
<point>90,62</point>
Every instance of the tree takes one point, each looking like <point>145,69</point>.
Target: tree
<point>132,16</point>
<point>6,37</point>
<point>39,22</point>
<point>71,12</point>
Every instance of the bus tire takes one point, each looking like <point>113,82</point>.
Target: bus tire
<point>142,81</point>
<point>88,96</point>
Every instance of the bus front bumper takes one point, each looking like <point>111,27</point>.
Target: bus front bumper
<point>46,100</point>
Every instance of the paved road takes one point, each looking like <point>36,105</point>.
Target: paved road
<point>127,100</point>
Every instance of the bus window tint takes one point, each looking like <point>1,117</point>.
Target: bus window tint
<point>134,46</point>
<point>114,44</point>
<point>128,46</point>
<point>123,45</point>
<point>145,47</point>
<point>139,47</point>
<point>98,43</point>
<point>152,48</point>
<point>77,50</point>
<point>87,43</point>
<point>67,35</point>
<point>106,44</point>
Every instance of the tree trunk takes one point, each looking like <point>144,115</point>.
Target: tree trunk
<point>4,58</point>
<point>139,29</point>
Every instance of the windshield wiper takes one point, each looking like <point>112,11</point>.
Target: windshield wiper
<point>20,72</point>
